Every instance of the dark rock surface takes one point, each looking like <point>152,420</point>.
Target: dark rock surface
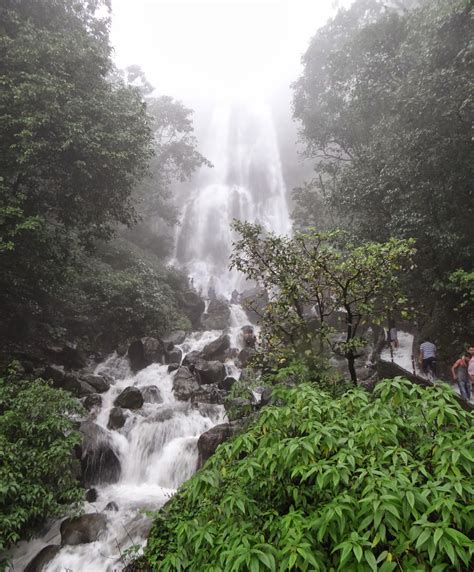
<point>130,398</point>
<point>227,383</point>
<point>175,338</point>
<point>111,506</point>
<point>144,352</point>
<point>209,371</point>
<point>191,358</point>
<point>173,356</point>
<point>98,382</point>
<point>194,307</point>
<point>91,495</point>
<point>209,394</point>
<point>117,418</point>
<point>217,316</point>
<point>245,355</point>
<point>43,558</point>
<point>185,384</point>
<point>210,440</point>
<point>151,394</point>
<point>99,462</point>
<point>68,356</point>
<point>173,367</point>
<point>216,350</point>
<point>82,529</point>
<point>94,400</point>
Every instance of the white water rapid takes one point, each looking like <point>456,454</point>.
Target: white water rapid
<point>157,449</point>
<point>246,183</point>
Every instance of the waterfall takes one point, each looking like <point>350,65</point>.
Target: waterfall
<point>246,184</point>
<point>157,445</point>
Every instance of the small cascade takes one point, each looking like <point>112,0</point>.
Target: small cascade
<point>157,449</point>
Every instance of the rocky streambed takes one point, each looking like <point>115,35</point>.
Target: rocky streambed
<point>155,414</point>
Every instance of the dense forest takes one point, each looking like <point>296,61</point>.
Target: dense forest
<point>335,467</point>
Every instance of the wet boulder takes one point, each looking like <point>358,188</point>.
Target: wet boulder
<point>210,440</point>
<point>194,307</point>
<point>99,462</point>
<point>216,350</point>
<point>209,394</point>
<point>130,398</point>
<point>191,358</point>
<point>238,407</point>
<point>245,355</point>
<point>111,506</point>
<point>68,356</point>
<point>145,351</point>
<point>98,382</point>
<point>173,356</point>
<point>173,367</point>
<point>117,418</point>
<point>91,495</point>
<point>68,381</point>
<point>83,529</point>
<point>227,383</point>
<point>151,394</point>
<point>43,558</point>
<point>209,371</point>
<point>185,384</point>
<point>217,316</point>
<point>93,401</point>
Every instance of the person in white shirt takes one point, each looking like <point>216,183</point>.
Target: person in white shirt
<point>427,358</point>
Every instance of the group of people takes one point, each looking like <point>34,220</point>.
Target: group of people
<point>462,371</point>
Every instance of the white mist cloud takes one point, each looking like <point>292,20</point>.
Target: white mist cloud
<point>200,49</point>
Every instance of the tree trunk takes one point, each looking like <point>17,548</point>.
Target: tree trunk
<point>351,365</point>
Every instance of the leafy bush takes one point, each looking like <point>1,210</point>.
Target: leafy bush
<point>364,482</point>
<point>37,467</point>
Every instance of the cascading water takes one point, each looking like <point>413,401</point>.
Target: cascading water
<point>246,184</point>
<point>157,445</point>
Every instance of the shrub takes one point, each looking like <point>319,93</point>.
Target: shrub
<point>37,467</point>
<point>363,482</point>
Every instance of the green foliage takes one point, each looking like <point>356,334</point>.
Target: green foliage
<point>385,111</point>
<point>364,482</point>
<point>315,279</point>
<point>37,438</point>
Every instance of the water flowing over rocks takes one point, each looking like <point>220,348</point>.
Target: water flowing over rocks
<point>185,384</point>
<point>99,462</point>
<point>117,418</point>
<point>216,350</point>
<point>217,316</point>
<point>42,559</point>
<point>144,352</point>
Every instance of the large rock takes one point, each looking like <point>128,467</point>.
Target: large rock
<point>210,440</point>
<point>93,401</point>
<point>173,356</point>
<point>130,398</point>
<point>43,558</point>
<point>68,356</point>
<point>98,382</point>
<point>191,358</point>
<point>68,381</point>
<point>99,462</point>
<point>194,307</point>
<point>83,529</point>
<point>216,350</point>
<point>209,394</point>
<point>144,352</point>
<point>227,383</point>
<point>117,418</point>
<point>151,394</point>
<point>209,371</point>
<point>217,316</point>
<point>238,408</point>
<point>185,384</point>
<point>245,355</point>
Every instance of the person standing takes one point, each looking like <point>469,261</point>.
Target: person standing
<point>470,369</point>
<point>460,373</point>
<point>427,358</point>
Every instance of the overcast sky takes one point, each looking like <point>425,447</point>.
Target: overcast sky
<point>199,49</point>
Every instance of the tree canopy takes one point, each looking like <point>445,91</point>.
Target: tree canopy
<point>385,111</point>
